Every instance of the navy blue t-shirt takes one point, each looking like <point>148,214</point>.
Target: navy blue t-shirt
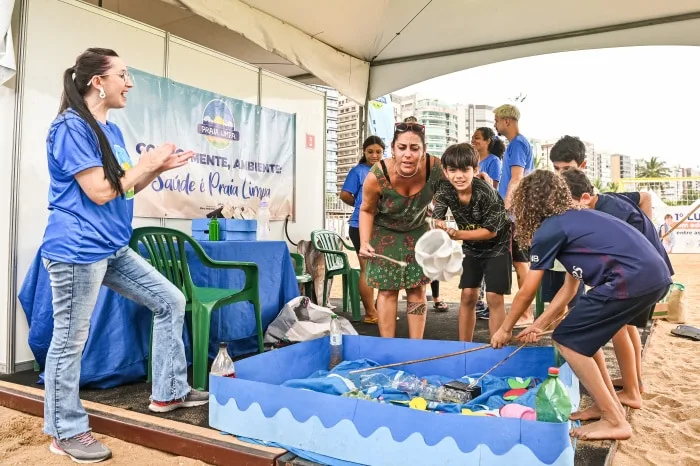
<point>625,206</point>
<point>600,250</point>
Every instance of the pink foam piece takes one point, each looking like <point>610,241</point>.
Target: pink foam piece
<point>518,411</point>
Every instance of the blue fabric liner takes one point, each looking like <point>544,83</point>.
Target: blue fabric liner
<point>335,382</point>
<point>117,347</point>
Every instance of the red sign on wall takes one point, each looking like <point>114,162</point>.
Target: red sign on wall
<point>310,141</point>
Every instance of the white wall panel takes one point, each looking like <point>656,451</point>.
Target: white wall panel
<point>309,105</point>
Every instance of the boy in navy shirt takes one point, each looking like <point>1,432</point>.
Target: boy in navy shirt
<point>625,271</point>
<point>627,342</point>
<point>484,228</point>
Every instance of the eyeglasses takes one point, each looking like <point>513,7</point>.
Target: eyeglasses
<point>412,127</point>
<point>122,74</point>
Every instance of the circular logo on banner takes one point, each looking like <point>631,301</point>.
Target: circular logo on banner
<point>217,125</point>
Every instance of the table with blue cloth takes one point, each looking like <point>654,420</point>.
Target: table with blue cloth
<point>116,351</point>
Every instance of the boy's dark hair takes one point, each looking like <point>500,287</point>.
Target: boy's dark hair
<point>460,156</point>
<point>578,183</point>
<point>567,149</point>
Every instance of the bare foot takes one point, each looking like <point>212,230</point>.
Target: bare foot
<point>603,430</point>
<point>589,414</point>
<point>617,383</point>
<point>627,399</point>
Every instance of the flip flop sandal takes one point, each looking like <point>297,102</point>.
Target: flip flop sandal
<point>371,320</point>
<point>687,331</point>
<point>441,306</point>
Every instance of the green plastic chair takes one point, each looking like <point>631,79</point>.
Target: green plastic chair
<point>164,248</point>
<point>329,243</point>
<point>300,271</point>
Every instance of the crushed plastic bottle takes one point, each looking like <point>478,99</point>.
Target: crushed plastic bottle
<point>223,364</point>
<point>413,386</point>
<point>552,402</point>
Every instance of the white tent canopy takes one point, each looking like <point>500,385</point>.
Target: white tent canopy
<point>367,48</point>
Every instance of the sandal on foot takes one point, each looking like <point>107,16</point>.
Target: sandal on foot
<point>441,306</point>
<point>371,320</point>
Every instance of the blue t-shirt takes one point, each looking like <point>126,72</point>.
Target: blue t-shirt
<point>491,165</point>
<point>353,185</point>
<point>80,231</point>
<point>602,251</point>
<point>518,154</point>
<point>625,206</point>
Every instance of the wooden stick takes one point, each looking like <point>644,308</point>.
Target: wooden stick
<point>399,263</point>
<point>414,361</point>
<point>473,384</point>
<point>681,221</point>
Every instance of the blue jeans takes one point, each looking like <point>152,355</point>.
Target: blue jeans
<point>75,288</point>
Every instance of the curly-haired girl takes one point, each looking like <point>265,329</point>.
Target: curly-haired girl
<point>626,275</point>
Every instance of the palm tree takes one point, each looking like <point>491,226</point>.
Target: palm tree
<point>654,168</point>
<point>599,185</point>
<point>613,187</point>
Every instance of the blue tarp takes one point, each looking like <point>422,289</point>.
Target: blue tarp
<point>117,348</point>
<point>339,381</point>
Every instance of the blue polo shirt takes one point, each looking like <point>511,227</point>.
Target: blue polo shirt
<point>625,206</point>
<point>602,251</point>
<point>518,154</point>
<point>80,231</point>
<point>353,185</point>
<point>491,165</point>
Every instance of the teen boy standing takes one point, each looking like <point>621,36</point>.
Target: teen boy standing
<point>484,228</point>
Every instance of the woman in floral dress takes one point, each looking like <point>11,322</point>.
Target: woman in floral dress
<point>395,200</point>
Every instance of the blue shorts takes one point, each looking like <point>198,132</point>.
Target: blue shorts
<point>597,318</point>
<point>552,281</point>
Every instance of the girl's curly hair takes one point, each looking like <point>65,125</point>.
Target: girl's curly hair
<point>538,196</point>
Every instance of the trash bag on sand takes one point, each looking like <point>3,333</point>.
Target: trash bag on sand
<point>301,320</point>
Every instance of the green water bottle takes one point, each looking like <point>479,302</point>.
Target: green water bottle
<point>552,402</point>
<point>214,229</point>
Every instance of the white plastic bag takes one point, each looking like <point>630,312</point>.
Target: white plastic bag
<point>439,256</point>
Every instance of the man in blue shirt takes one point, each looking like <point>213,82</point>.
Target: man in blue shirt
<point>518,162</point>
<point>624,270</point>
<point>627,342</point>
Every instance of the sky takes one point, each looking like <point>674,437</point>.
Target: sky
<point>638,101</point>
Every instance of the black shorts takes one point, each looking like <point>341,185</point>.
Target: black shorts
<point>518,253</point>
<point>642,319</point>
<point>552,281</point>
<point>597,318</point>
<point>354,234</point>
<point>497,270</point>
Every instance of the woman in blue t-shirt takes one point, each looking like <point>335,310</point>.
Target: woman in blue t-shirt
<point>351,194</point>
<point>92,185</point>
<point>490,149</point>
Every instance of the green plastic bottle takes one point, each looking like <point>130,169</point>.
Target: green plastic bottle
<point>214,229</point>
<point>552,402</point>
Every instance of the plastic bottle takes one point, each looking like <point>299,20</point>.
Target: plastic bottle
<point>413,386</point>
<point>263,222</point>
<point>552,402</point>
<point>336,343</point>
<point>223,364</point>
<point>214,229</point>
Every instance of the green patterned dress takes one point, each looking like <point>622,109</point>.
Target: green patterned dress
<point>398,224</point>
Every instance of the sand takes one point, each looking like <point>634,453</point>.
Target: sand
<point>666,429</point>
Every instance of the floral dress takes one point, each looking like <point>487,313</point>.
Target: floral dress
<point>398,224</point>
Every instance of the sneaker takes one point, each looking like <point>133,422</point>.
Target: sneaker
<point>480,306</point>
<point>83,448</point>
<point>192,399</point>
<point>483,315</point>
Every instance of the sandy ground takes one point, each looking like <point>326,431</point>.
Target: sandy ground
<point>666,429</point>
